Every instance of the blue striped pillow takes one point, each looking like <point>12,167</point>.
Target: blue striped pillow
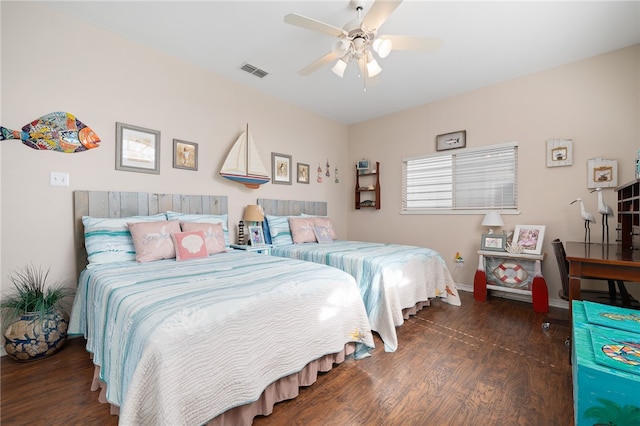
<point>279,230</point>
<point>203,218</point>
<point>109,240</point>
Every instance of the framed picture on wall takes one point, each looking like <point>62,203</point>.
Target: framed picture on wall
<point>137,149</point>
<point>602,173</point>
<point>303,173</point>
<point>280,168</point>
<point>559,152</point>
<point>185,155</point>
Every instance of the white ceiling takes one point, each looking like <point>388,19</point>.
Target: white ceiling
<point>483,43</point>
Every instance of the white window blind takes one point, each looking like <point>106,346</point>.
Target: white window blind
<point>470,179</point>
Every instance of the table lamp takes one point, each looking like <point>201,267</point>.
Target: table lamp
<point>253,214</point>
<point>491,219</point>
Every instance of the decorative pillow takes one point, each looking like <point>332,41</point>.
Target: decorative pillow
<point>213,235</point>
<point>302,230</point>
<point>322,234</point>
<point>279,230</point>
<point>152,240</point>
<point>109,240</point>
<point>203,218</point>
<point>323,221</point>
<point>190,245</point>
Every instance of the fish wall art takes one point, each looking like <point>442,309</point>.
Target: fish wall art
<point>57,131</point>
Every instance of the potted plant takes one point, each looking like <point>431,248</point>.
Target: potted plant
<point>36,312</point>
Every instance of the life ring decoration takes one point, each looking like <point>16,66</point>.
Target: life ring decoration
<point>511,274</point>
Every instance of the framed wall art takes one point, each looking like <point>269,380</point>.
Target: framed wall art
<point>494,242</point>
<point>529,238</point>
<point>602,173</point>
<point>137,149</point>
<point>451,140</point>
<point>303,173</point>
<point>185,155</point>
<point>280,168</point>
<point>559,152</point>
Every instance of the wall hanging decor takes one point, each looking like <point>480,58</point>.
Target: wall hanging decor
<point>327,174</point>
<point>602,173</point>
<point>451,140</point>
<point>281,168</point>
<point>185,155</point>
<point>335,173</point>
<point>243,164</point>
<point>303,173</point>
<point>137,149</point>
<point>56,131</point>
<point>559,152</point>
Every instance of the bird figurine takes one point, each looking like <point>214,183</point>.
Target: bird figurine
<point>588,218</point>
<point>605,211</point>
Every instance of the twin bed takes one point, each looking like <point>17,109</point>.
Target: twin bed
<point>221,338</point>
<point>394,280</point>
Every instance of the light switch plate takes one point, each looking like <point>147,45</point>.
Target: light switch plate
<point>59,179</point>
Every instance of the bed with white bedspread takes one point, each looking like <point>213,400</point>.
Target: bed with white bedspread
<point>185,342</point>
<point>394,280</point>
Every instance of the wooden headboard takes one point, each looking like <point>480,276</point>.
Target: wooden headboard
<point>292,207</point>
<point>124,204</point>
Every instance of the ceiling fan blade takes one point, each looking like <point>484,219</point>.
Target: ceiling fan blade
<point>415,44</point>
<point>312,24</point>
<point>379,12</point>
<point>317,64</point>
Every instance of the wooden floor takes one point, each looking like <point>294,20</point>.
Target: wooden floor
<point>482,363</point>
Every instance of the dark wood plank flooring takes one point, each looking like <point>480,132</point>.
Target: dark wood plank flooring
<point>482,363</point>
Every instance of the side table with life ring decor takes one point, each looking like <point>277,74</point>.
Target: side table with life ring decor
<point>514,273</point>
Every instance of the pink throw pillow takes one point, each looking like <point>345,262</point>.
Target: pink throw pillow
<point>213,235</point>
<point>189,245</point>
<point>325,221</point>
<point>152,240</point>
<point>302,230</point>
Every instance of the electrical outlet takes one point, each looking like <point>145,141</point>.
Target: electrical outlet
<point>59,179</point>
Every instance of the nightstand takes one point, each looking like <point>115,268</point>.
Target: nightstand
<point>261,249</point>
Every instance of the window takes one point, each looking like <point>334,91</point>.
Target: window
<point>466,180</point>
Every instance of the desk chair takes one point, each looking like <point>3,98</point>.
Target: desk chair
<point>609,297</point>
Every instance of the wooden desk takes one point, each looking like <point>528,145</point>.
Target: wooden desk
<point>607,261</point>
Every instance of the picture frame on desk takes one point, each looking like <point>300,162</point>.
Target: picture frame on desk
<point>493,242</point>
<point>529,237</point>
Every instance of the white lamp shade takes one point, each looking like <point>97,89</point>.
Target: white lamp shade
<point>373,68</point>
<point>383,47</point>
<point>491,219</point>
<point>339,67</point>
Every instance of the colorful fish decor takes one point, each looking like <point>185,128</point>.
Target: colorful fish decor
<point>57,131</point>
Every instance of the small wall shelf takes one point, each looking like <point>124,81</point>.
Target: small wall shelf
<point>367,192</point>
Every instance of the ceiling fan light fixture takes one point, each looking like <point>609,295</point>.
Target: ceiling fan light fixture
<point>340,47</point>
<point>339,67</point>
<point>373,68</point>
<point>382,46</point>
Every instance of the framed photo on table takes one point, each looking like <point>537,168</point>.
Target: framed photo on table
<point>529,237</point>
<point>256,237</point>
<point>494,242</point>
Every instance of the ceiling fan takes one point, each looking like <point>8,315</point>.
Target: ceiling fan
<point>356,40</point>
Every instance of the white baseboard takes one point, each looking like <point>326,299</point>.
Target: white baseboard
<point>556,303</point>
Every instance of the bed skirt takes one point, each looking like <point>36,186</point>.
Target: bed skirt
<point>408,312</point>
<point>280,390</point>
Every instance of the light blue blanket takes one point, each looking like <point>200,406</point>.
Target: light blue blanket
<point>169,335</point>
<point>390,277</point>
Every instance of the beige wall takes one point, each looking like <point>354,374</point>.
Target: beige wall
<point>54,63</point>
<point>103,79</point>
<point>594,102</point>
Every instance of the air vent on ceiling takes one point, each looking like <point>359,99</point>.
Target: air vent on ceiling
<point>254,70</point>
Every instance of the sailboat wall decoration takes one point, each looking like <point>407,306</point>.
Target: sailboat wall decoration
<point>243,163</point>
